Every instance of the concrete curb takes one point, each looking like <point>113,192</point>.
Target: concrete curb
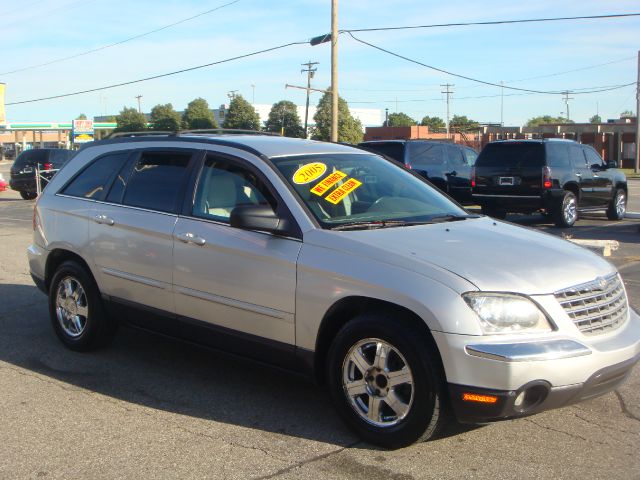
<point>632,215</point>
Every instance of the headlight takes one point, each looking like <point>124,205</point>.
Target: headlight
<point>501,313</point>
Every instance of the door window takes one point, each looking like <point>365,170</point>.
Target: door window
<point>93,181</point>
<point>593,159</point>
<point>225,185</point>
<point>558,155</point>
<point>456,156</point>
<point>470,156</point>
<point>423,154</point>
<point>577,157</point>
<point>156,180</point>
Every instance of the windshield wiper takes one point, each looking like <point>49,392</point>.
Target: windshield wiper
<point>451,218</point>
<point>372,225</point>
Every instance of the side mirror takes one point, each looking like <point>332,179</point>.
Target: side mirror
<point>612,164</point>
<point>255,217</point>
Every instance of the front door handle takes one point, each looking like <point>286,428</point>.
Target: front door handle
<point>104,220</point>
<point>191,238</point>
<point>578,175</point>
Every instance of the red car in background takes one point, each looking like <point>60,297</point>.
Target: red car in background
<point>3,184</point>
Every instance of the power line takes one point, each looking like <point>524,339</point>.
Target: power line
<point>104,47</point>
<point>478,80</point>
<point>154,77</point>
<point>572,71</point>
<point>495,22</point>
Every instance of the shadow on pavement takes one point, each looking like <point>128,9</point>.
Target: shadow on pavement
<point>166,374</point>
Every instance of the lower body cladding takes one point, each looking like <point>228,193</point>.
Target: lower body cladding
<point>499,381</point>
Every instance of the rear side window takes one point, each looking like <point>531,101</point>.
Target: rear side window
<point>456,157</point>
<point>422,154</point>
<point>471,155</point>
<point>577,157</point>
<point>156,180</point>
<point>59,157</point>
<point>393,150</point>
<point>512,155</point>
<point>93,181</point>
<point>558,155</point>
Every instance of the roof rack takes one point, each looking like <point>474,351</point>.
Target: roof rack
<point>144,133</point>
<point>227,130</point>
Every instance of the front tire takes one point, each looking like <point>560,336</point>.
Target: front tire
<point>385,380</point>
<point>76,309</point>
<point>28,195</point>
<point>618,205</point>
<point>567,213</point>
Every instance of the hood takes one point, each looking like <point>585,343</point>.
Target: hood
<point>492,255</point>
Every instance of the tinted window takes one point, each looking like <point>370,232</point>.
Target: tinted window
<point>456,157</point>
<point>423,153</point>
<point>593,158</point>
<point>93,180</point>
<point>577,157</point>
<point>518,155</point>
<point>156,179</point>
<point>31,157</point>
<point>558,155</point>
<point>393,150</point>
<point>471,155</point>
<point>224,186</point>
<point>60,157</point>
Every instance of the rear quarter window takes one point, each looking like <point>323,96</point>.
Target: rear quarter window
<point>93,181</point>
<point>558,155</point>
<point>512,155</point>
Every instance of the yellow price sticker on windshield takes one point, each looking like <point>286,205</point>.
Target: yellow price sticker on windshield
<point>342,191</point>
<point>328,182</point>
<point>309,172</point>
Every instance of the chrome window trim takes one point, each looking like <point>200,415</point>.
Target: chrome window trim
<point>102,202</point>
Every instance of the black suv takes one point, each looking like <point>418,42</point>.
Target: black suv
<point>446,165</point>
<point>557,177</point>
<point>23,170</point>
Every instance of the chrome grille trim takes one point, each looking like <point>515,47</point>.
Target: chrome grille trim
<point>596,307</point>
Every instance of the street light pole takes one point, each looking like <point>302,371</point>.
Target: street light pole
<point>636,167</point>
<point>334,70</point>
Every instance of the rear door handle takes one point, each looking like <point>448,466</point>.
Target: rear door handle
<point>104,220</point>
<point>191,238</point>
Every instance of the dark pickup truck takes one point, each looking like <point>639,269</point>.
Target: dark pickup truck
<point>560,178</point>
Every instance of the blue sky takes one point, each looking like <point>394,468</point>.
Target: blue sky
<point>35,32</point>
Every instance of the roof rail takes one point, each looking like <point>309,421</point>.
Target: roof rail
<point>143,133</point>
<point>228,130</point>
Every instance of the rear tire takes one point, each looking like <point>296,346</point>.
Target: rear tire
<point>493,212</point>
<point>567,213</point>
<point>76,310</point>
<point>618,205</point>
<point>386,381</point>
<point>28,195</point>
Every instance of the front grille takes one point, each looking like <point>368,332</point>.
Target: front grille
<point>596,307</point>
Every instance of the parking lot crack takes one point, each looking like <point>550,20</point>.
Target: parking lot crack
<point>307,462</point>
<point>623,406</point>
<point>551,429</point>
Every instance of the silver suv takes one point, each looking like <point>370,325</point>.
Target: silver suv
<point>329,260</point>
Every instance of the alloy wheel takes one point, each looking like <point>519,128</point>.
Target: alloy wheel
<point>72,309</point>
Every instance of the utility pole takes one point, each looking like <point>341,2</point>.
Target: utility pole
<point>448,92</point>
<point>253,94</point>
<point>501,103</point>
<point>310,73</point>
<point>139,108</point>
<point>334,70</point>
<point>636,168</point>
<point>566,101</point>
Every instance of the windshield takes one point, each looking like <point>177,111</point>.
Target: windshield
<point>363,189</point>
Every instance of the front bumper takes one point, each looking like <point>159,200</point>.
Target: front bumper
<point>486,379</point>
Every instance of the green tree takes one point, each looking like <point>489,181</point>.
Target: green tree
<point>130,120</point>
<point>82,116</point>
<point>461,122</point>
<point>242,115</point>
<point>284,114</point>
<point>627,114</point>
<point>546,119</point>
<point>198,116</point>
<point>434,123</point>
<point>349,128</point>
<point>164,117</point>
<point>400,120</point>
<point>595,119</point>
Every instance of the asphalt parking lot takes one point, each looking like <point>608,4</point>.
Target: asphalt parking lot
<point>149,407</point>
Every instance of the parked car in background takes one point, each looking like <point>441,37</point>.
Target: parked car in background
<point>560,178</point>
<point>23,170</point>
<point>446,165</point>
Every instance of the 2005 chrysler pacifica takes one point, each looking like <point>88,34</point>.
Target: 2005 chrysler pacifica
<point>330,260</point>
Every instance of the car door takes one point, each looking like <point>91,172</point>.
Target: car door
<point>459,174</point>
<point>228,277</point>
<point>132,229</point>
<point>602,179</point>
<point>582,175</point>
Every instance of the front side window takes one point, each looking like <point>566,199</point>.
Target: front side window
<point>363,190</point>
<point>156,180</point>
<point>93,180</point>
<point>577,157</point>
<point>455,156</point>
<point>593,159</point>
<point>471,155</point>
<point>225,185</point>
